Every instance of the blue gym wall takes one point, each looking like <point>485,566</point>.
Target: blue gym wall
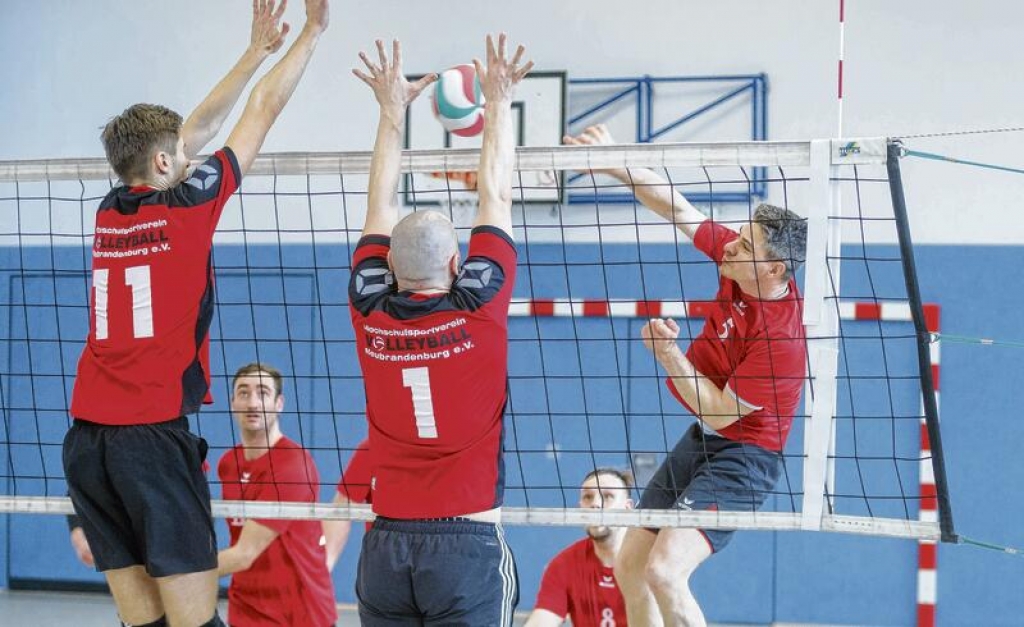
<point>762,577</point>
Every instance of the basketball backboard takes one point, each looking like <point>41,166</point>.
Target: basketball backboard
<point>538,118</point>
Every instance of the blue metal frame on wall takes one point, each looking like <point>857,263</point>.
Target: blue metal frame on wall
<point>641,91</point>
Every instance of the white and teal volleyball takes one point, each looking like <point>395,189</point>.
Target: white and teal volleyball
<point>459,102</point>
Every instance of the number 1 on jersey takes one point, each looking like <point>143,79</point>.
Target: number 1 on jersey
<point>418,381</point>
<point>137,277</point>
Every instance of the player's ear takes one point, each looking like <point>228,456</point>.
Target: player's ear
<point>454,263</point>
<point>279,403</point>
<point>629,504</point>
<point>163,162</point>
<point>390,267</point>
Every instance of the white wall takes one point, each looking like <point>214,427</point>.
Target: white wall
<point>913,66</point>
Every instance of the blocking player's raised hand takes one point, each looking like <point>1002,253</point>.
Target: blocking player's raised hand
<point>385,78</point>
<point>499,78</point>
<point>273,91</point>
<point>318,15</point>
<point>268,31</point>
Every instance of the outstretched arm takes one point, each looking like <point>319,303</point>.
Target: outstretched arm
<point>273,91</point>
<point>393,94</point>
<point>498,153</point>
<point>713,406</point>
<point>650,189</point>
<point>268,35</point>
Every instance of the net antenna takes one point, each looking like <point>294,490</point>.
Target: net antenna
<point>854,447</point>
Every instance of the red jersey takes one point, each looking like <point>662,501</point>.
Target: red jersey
<point>288,584</point>
<point>435,370</point>
<point>577,584</point>
<point>753,349</point>
<point>147,356</point>
<point>358,477</point>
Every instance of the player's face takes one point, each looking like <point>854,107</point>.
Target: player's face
<point>255,403</point>
<point>604,492</point>
<point>744,258</point>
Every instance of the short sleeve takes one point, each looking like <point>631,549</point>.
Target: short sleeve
<point>553,595</point>
<point>489,272</point>
<point>211,185</point>
<point>355,483</point>
<point>371,277</point>
<point>711,239</point>
<point>291,478</point>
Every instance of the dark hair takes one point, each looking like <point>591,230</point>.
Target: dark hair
<point>255,368</point>
<point>625,476</point>
<point>131,139</point>
<point>785,236</point>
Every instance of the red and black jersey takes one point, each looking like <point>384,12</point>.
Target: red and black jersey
<point>578,585</point>
<point>753,349</point>
<point>435,369</point>
<point>147,356</point>
<point>288,584</point>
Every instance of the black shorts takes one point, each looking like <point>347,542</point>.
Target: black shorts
<point>436,572</point>
<point>708,472</point>
<point>142,496</point>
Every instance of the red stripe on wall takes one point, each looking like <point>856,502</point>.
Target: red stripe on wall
<point>542,307</point>
<point>867,311</point>
<point>595,308</point>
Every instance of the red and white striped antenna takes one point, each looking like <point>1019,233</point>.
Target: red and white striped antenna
<point>842,51</point>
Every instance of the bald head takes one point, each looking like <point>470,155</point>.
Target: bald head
<point>422,246</point>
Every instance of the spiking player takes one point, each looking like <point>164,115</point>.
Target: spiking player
<point>133,467</point>
<point>741,378</point>
<point>579,582</point>
<point>432,336</point>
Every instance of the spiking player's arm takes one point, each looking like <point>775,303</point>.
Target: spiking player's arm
<point>268,34</point>
<point>714,407</point>
<point>254,539</point>
<point>273,91</point>
<point>393,93</point>
<point>497,155</point>
<point>650,189</point>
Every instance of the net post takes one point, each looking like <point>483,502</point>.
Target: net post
<point>821,325</point>
<point>931,408</point>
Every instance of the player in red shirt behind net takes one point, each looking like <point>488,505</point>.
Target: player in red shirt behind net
<point>741,378</point>
<point>134,469</point>
<point>278,568</point>
<point>580,583</point>
<point>432,339</point>
<point>354,487</point>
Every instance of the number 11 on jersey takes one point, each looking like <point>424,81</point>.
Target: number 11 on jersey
<point>136,277</point>
<point>418,381</point>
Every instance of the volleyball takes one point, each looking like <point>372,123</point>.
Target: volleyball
<point>458,101</point>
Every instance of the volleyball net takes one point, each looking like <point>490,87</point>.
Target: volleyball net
<point>865,452</point>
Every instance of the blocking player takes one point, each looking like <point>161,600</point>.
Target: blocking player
<point>579,582</point>
<point>133,467</point>
<point>741,378</point>
<point>354,487</point>
<point>278,568</point>
<point>432,338</point>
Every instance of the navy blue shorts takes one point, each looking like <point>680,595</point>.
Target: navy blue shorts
<point>142,496</point>
<point>708,472</point>
<point>436,572</point>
